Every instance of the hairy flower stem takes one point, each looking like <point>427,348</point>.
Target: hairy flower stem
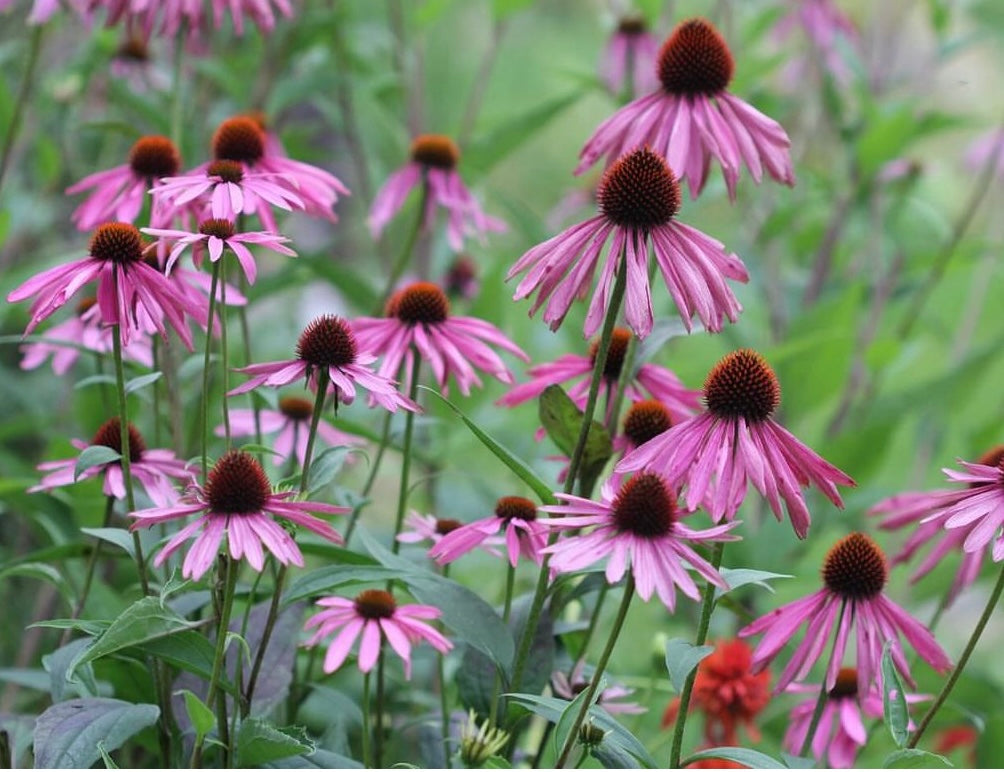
<point>409,430</point>
<point>593,619</point>
<point>817,711</point>
<point>995,595</point>
<point>367,729</point>
<point>384,440</point>
<point>707,607</point>
<point>23,95</point>
<point>510,579</point>
<point>404,258</point>
<point>205,371</point>
<point>573,734</point>
<point>537,604</point>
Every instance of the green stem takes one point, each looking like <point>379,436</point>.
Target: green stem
<point>315,419</point>
<point>378,733</point>
<point>34,47</point>
<point>224,352</point>
<point>205,371</point>
<point>404,258</point>
<point>444,705</point>
<point>510,580</point>
<point>409,430</point>
<point>597,607</point>
<point>384,440</point>
<point>707,606</point>
<point>817,711</point>
<point>367,754</point>
<point>963,661</point>
<point>573,734</point>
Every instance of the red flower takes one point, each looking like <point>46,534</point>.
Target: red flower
<point>956,737</point>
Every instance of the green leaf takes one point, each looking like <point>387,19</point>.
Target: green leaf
<point>57,664</point>
<point>503,8</point>
<point>894,709</point>
<point>325,466</point>
<point>740,577</point>
<point>506,456</point>
<point>914,758</point>
<point>563,422</point>
<point>94,455</point>
<point>141,381</point>
<point>187,650</point>
<point>95,380</point>
<point>259,742</point>
<point>123,538</point>
<point>324,580</point>
<point>203,719</point>
<point>750,758</point>
<point>41,571</point>
<point>681,659</point>
<point>108,761</point>
<point>567,718</point>
<point>67,734</point>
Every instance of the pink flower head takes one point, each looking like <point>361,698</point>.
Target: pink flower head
<point>131,293</point>
<point>611,699</point>
<point>461,278</point>
<point>237,502</point>
<point>328,344</point>
<point>854,575</point>
<point>376,615</point>
<point>433,529</point>
<point>83,329</point>
<point>524,534</point>
<point>43,10</point>
<point>154,469</point>
<point>638,201</point>
<point>218,234</point>
<point>692,118</point>
<point>629,58</point>
<point>433,166</point>
<point>418,320</point>
<point>735,442</point>
<point>988,149</point>
<point>824,24</point>
<point>649,381</point>
<point>118,194</point>
<point>637,525</point>
<point>292,422</point>
<point>168,17</point>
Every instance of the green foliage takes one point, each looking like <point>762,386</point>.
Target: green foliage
<point>68,734</point>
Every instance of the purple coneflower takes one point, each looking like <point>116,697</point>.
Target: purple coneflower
<point>824,24</point>
<point>637,525</point>
<point>629,58</point>
<point>433,165</point>
<point>129,290</point>
<point>854,575</point>
<point>611,699</point>
<point>418,320</point>
<point>432,529</point>
<point>154,469</point>
<point>692,118</point>
<point>715,454</point>
<point>638,200</point>
<point>377,617</point>
<point>237,502</point>
<point>524,534</point>
<point>328,344</point>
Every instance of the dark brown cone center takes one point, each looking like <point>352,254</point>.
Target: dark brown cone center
<point>695,60</point>
<point>646,419</point>
<point>421,302</point>
<point>375,604</point>
<point>154,157</point>
<point>855,568</point>
<point>222,229</point>
<point>447,525</point>
<point>632,25</point>
<point>645,506</point>
<point>327,342</point>
<point>435,150</point>
<point>509,507</point>
<point>619,340</point>
<point>118,242</point>
<point>237,485</point>
<point>742,385</point>
<point>228,171</point>
<point>109,434</point>
<point>239,139</point>
<point>296,408</point>
<point>639,191</point>
<point>846,684</point>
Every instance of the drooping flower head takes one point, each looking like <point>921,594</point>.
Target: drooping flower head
<point>418,320</point>
<point>692,118</point>
<point>568,686</point>
<point>638,197</point>
<point>237,502</point>
<point>376,616</point>
<point>854,575</point>
<point>644,420</point>
<point>629,58</point>
<point>156,470</point>
<point>637,527</point>
<point>524,534</point>
<point>432,529</point>
<point>830,32</point>
<point>329,345</point>
<point>433,166</point>
<point>167,18</point>
<point>130,293</point>
<point>461,278</point>
<point>736,442</point>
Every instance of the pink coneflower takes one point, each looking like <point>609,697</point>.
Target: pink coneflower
<point>986,150</point>
<point>237,502</point>
<point>154,469</point>
<point>824,24</point>
<point>83,329</point>
<point>168,17</point>
<point>637,525</point>
<point>292,422</point>
<point>377,616</point>
<point>638,201</point>
<point>524,534</point>
<point>649,381</point>
<point>433,166</point>
<point>611,699</point>
<point>629,58</point>
<point>854,574</point>
<point>461,278</point>
<point>42,10</point>
<point>430,528</point>
<point>692,118</point>
<point>418,319</point>
<point>328,344</point>
<point>218,234</point>
<point>717,453</point>
<point>118,193</point>
<point>128,288</point>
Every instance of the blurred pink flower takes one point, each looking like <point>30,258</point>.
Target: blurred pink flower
<point>376,616</point>
<point>611,699</point>
<point>638,200</point>
<point>168,17</point>
<point>717,453</point>
<point>524,534</point>
<point>988,149</point>
<point>692,118</point>
<point>433,529</point>
<point>824,24</point>
<point>433,166</point>
<point>978,511</point>
<point>629,58</point>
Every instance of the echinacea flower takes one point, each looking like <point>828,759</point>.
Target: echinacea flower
<point>329,345</point>
<point>987,150</point>
<point>637,529</point>
<point>433,166</point>
<point>217,235</point>
<point>568,686</point>
<point>127,287</point>
<point>715,454</point>
<point>237,502</point>
<point>461,278</point>
<point>156,470</point>
<point>430,528</point>
<point>825,25</point>
<point>418,321</point>
<point>168,17</point>
<point>639,198</point>
<point>118,194</point>
<point>648,381</point>
<point>292,422</point>
<point>629,58</point>
<point>376,616</point>
<point>692,118</point>
<point>643,421</point>
<point>524,534</point>
<point>854,575</point>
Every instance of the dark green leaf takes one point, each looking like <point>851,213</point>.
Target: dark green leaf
<point>199,714</point>
<point>894,709</point>
<point>325,466</point>
<point>681,658</point>
<point>740,577</point>
<point>563,422</point>
<point>94,455</point>
<point>750,758</point>
<point>914,758</point>
<point>67,734</point>
<point>139,382</point>
<point>568,716</point>
<point>187,650</point>
<point>105,758</point>
<point>58,663</point>
<point>259,742</point>
<point>324,580</point>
